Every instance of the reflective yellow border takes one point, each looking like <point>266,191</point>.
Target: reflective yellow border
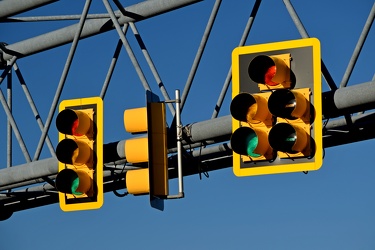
<point>98,102</point>
<point>317,97</point>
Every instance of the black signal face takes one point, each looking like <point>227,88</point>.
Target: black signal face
<point>67,122</point>
<point>262,69</point>
<point>282,103</point>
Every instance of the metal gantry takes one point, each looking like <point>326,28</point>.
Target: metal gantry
<point>31,184</point>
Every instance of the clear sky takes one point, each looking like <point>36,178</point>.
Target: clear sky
<point>332,208</point>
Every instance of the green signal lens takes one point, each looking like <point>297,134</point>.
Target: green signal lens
<point>291,138</point>
<point>245,141</point>
<point>251,141</point>
<point>75,185</point>
<point>289,141</point>
<point>68,181</point>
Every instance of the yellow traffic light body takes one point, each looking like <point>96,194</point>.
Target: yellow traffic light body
<point>136,150</point>
<point>137,181</point>
<point>80,154</point>
<point>158,149</point>
<point>288,77</point>
<point>135,120</point>
<point>300,122</point>
<point>151,149</point>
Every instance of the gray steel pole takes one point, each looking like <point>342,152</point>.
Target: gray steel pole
<point>349,100</point>
<point>12,7</point>
<point>358,47</point>
<point>297,21</point>
<point>9,125</point>
<point>199,53</point>
<point>354,99</point>
<point>33,106</point>
<point>63,77</point>
<point>28,171</point>
<point>228,79</point>
<point>212,158</point>
<point>92,27</point>
<point>112,64</point>
<point>179,146</point>
<point>216,157</point>
<point>152,68</point>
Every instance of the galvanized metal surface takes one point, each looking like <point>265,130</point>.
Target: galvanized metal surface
<point>205,142</point>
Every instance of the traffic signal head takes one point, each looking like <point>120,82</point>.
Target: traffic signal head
<point>80,154</point>
<point>149,152</point>
<point>276,108</point>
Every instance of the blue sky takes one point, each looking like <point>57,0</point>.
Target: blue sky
<point>327,209</point>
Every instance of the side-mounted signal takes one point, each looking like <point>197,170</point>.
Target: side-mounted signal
<point>150,151</point>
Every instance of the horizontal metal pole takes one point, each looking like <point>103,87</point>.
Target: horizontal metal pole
<point>213,130</point>
<point>210,129</point>
<point>45,194</point>
<point>55,18</point>
<point>219,130</point>
<point>26,183</point>
<point>45,187</point>
<point>201,161</point>
<point>28,171</point>
<point>92,27</point>
<point>12,7</point>
<point>348,100</point>
<point>358,120</point>
<point>337,132</point>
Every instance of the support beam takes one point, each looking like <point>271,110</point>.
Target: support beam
<point>336,132</point>
<point>45,195</point>
<point>92,27</point>
<point>356,98</point>
<point>201,161</point>
<point>349,100</point>
<point>28,171</point>
<point>12,7</point>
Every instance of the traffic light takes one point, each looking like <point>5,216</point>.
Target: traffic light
<point>80,154</point>
<point>149,152</point>
<point>276,108</point>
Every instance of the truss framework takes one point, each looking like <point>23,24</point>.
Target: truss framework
<point>32,184</point>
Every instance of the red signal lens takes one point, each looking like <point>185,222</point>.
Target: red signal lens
<point>270,74</point>
<point>270,70</point>
<point>74,127</point>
